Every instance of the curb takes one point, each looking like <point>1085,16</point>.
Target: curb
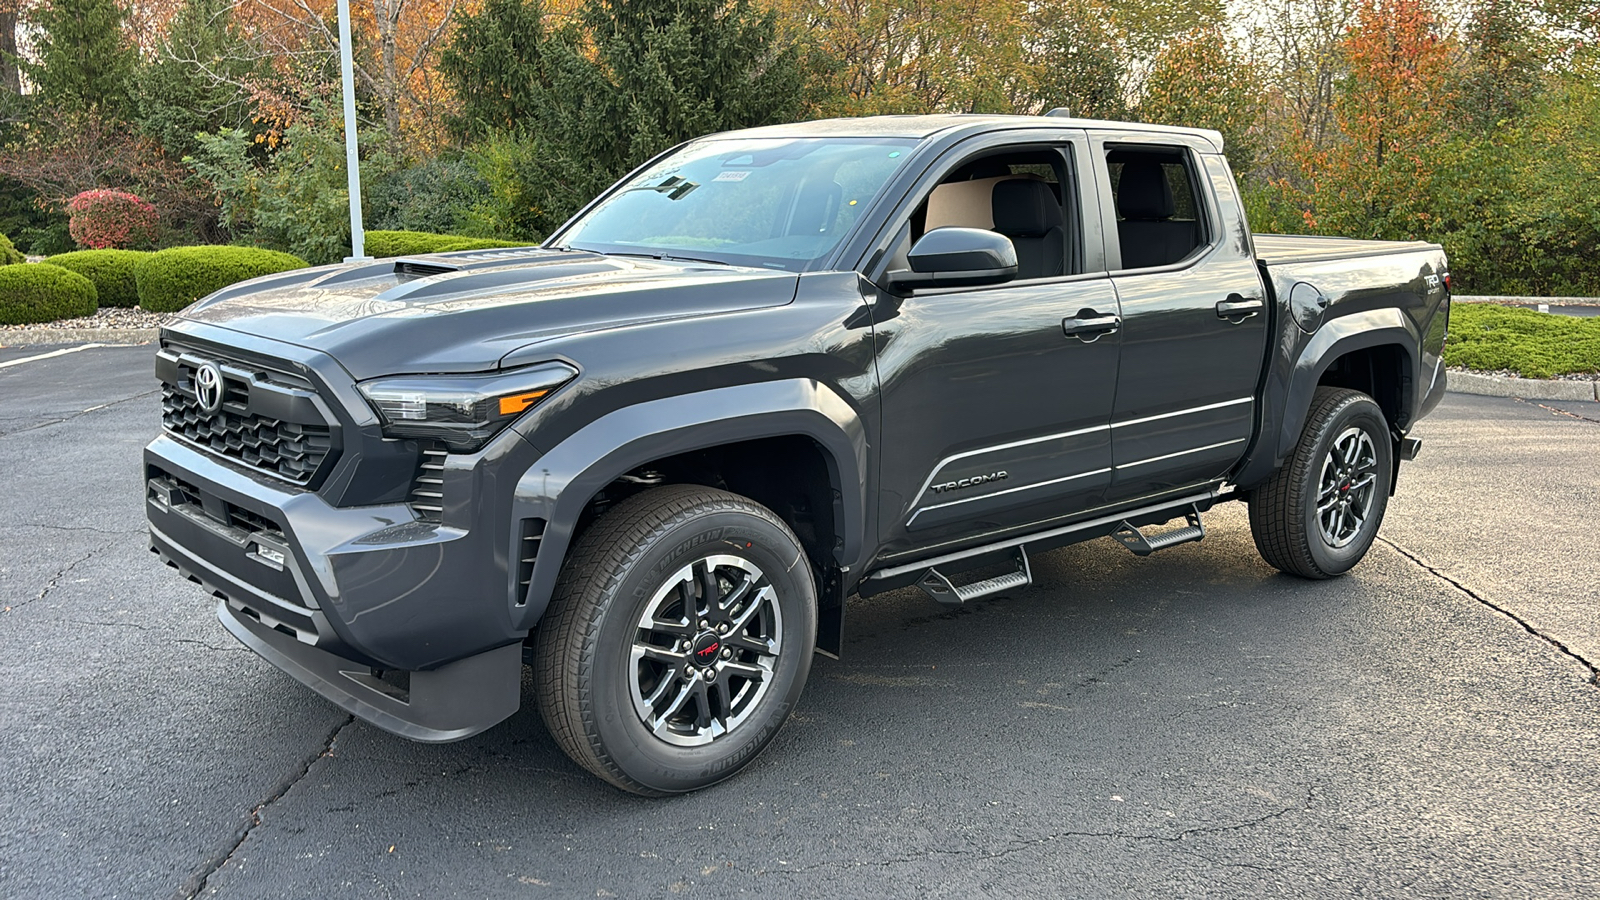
<point>1523,388</point>
<point>28,337</point>
<point>1523,301</point>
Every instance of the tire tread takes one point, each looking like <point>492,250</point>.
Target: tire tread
<point>1276,522</point>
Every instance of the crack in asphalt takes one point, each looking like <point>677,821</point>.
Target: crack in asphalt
<point>38,425</point>
<point>1559,412</point>
<point>1019,846</point>
<point>55,579</point>
<point>196,883</point>
<point>49,527</point>
<point>236,648</point>
<point>1563,649</point>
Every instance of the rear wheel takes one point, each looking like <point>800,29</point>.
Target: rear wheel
<point>678,639</point>
<point>1320,512</point>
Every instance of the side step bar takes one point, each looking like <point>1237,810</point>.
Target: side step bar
<point>938,586</point>
<point>1144,545</point>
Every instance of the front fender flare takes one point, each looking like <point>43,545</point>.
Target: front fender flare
<point>558,486</point>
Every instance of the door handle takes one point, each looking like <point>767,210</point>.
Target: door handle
<point>1240,308</point>
<point>1089,325</point>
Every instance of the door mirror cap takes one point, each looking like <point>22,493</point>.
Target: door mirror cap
<point>957,257</point>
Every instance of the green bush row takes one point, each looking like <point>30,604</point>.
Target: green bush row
<point>384,244</point>
<point>76,284</point>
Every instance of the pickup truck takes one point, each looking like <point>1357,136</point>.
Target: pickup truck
<point>768,370</point>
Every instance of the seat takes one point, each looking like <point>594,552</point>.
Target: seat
<point>1027,211</point>
<point>1147,233</point>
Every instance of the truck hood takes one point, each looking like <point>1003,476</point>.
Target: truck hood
<point>463,312</point>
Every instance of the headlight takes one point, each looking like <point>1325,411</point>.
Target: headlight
<point>464,411</point>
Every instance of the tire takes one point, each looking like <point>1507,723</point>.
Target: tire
<point>1295,528</point>
<point>619,688</point>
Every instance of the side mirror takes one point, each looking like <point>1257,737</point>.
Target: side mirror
<point>957,257</point>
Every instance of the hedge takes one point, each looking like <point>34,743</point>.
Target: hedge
<point>1490,338</point>
<point>384,244</point>
<point>170,280</point>
<point>112,271</point>
<point>9,254</point>
<point>40,292</point>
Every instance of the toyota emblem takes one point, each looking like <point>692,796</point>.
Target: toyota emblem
<point>208,388</point>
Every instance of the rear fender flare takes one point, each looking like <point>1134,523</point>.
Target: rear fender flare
<point>561,482</point>
<point>1336,338</point>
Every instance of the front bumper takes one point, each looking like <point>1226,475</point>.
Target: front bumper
<point>445,704</point>
<point>343,599</point>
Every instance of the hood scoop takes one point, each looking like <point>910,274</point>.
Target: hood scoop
<point>416,268</point>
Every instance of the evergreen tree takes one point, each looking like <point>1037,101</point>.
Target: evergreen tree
<point>495,61</point>
<point>593,100</point>
<point>85,62</point>
<point>199,80</point>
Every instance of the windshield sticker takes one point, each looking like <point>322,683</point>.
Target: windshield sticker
<point>732,175</point>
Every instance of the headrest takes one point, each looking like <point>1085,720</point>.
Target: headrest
<point>1025,208</point>
<point>1143,192</point>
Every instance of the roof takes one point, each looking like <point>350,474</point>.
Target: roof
<point>925,126</point>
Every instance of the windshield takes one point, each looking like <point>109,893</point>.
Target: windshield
<point>777,203</point>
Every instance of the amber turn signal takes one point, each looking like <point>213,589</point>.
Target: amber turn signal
<point>516,403</point>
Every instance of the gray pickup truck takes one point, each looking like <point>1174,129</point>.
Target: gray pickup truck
<point>768,370</point>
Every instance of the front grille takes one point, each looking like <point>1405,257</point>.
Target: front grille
<point>267,420</point>
<point>286,449</point>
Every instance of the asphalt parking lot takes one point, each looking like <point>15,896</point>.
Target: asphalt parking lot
<point>1190,725</point>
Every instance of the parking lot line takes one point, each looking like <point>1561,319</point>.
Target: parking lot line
<point>27,359</point>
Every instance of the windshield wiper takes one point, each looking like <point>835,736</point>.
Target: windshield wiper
<point>642,255</point>
<point>675,187</point>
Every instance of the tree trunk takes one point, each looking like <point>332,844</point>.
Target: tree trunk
<point>10,78</point>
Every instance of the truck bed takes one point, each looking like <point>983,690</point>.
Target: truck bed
<point>1278,249</point>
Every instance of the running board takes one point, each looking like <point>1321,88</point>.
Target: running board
<point>1144,545</point>
<point>938,586</point>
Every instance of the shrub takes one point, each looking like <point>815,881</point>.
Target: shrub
<point>172,279</point>
<point>9,254</point>
<point>481,244</point>
<point>430,196</point>
<point>383,244</point>
<point>40,292</point>
<point>48,240</point>
<point>1492,338</point>
<point>112,271</point>
<point>104,219</point>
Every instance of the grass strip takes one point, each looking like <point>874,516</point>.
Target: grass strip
<point>1489,338</point>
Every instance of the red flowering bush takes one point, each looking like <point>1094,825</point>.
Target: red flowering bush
<point>103,219</point>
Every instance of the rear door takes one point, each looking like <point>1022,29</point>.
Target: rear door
<point>1194,318</point>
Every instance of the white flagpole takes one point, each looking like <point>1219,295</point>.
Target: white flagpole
<point>358,237</point>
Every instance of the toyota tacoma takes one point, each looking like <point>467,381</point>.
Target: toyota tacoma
<point>768,370</point>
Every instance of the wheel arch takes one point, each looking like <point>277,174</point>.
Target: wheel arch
<point>568,477</point>
<point>1372,352</point>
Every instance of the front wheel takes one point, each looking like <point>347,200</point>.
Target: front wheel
<point>1319,514</point>
<point>678,639</point>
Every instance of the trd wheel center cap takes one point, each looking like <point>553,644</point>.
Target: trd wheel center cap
<point>705,647</point>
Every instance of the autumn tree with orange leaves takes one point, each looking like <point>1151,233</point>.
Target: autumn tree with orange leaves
<point>1391,115</point>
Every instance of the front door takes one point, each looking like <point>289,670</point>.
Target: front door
<point>997,400</point>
